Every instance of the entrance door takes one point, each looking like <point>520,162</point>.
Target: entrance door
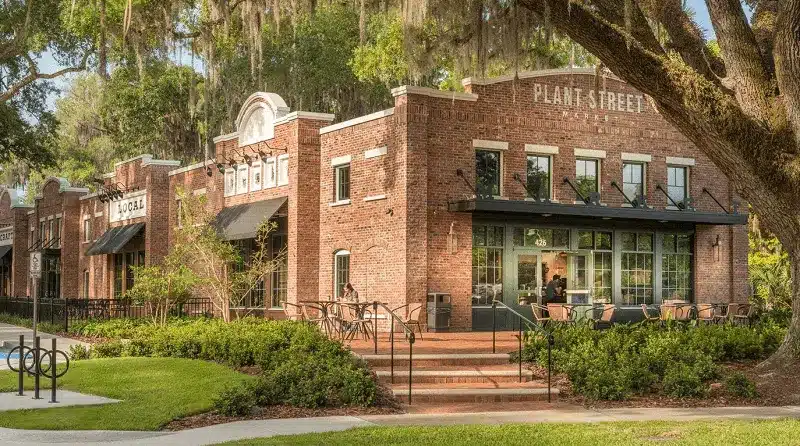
<point>528,278</point>
<point>578,283</point>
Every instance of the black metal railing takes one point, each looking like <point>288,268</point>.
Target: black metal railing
<point>65,311</point>
<point>410,337</point>
<point>530,324</point>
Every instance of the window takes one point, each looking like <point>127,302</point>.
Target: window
<point>280,277</point>
<point>487,264</point>
<point>637,268</point>
<point>256,173</point>
<point>676,267</point>
<point>43,231</point>
<point>242,179</point>
<point>586,174</point>
<point>633,180</point>
<point>342,175</point>
<point>600,244</point>
<point>230,182</point>
<point>487,173</point>
<point>341,272</point>
<point>118,275</point>
<point>85,284</point>
<point>56,228</point>
<point>538,180</point>
<point>677,184</point>
<point>541,238</point>
<point>123,271</point>
<point>87,229</point>
<point>283,170</point>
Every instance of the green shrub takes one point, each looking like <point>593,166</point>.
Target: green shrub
<point>738,384</point>
<point>681,381</point>
<point>235,401</point>
<point>110,349</point>
<point>78,352</point>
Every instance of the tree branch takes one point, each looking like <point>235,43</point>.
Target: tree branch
<point>745,66</point>
<point>14,47</point>
<point>755,159</point>
<point>34,75</point>
<point>614,12</point>
<point>787,61</point>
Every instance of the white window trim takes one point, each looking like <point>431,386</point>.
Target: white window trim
<point>375,197</point>
<point>686,181</point>
<point>599,175</point>
<point>644,176</point>
<point>541,149</point>
<point>590,153</point>
<point>376,152</point>
<point>683,162</point>
<point>270,164</point>
<point>637,157</point>
<point>550,173</point>
<point>256,168</point>
<point>278,170</point>
<point>226,192</point>
<point>489,144</point>
<point>339,160</point>
<point>83,229</point>
<point>242,169</point>
<point>339,203</point>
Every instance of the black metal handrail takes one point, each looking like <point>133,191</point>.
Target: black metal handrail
<point>409,334</point>
<point>548,335</point>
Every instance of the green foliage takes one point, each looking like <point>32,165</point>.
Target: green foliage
<point>78,352</point>
<point>161,287</point>
<point>738,384</point>
<point>626,360</point>
<point>236,401</point>
<point>43,326</point>
<point>770,272</point>
<point>682,381</point>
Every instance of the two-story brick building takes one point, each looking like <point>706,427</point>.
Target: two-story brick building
<point>552,185</point>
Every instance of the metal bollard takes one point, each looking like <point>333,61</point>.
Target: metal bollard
<point>21,365</point>
<point>53,372</point>
<point>36,367</point>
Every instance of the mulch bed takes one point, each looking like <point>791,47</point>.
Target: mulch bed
<point>771,392</point>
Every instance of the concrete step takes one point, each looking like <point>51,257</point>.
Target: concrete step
<point>480,376</point>
<point>474,395</point>
<point>438,360</point>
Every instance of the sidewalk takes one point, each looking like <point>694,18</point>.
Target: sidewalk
<point>9,338</point>
<point>267,428</point>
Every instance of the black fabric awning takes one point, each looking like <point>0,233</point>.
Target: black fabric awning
<point>522,208</point>
<point>242,221</point>
<point>113,240</point>
<point>4,250</point>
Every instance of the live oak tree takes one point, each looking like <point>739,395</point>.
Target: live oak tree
<point>741,107</point>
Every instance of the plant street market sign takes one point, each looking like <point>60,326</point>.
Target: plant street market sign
<point>589,99</point>
<point>131,205</point>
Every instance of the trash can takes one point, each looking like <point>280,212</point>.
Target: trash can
<point>439,309</point>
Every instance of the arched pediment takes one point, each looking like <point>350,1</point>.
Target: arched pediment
<point>256,120</point>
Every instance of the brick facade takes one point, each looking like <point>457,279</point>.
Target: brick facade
<point>404,241</point>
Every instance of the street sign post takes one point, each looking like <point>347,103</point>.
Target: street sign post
<point>35,267</point>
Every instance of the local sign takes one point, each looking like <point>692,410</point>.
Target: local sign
<point>35,264</point>
<point>588,99</point>
<point>6,236</point>
<point>130,206</point>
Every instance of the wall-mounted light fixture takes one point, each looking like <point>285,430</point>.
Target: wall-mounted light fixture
<point>716,245</point>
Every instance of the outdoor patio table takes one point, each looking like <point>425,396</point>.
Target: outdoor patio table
<point>324,308</point>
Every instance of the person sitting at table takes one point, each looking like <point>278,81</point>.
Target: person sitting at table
<point>350,293</point>
<point>553,290</point>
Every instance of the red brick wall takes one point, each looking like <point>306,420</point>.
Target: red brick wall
<point>16,216</point>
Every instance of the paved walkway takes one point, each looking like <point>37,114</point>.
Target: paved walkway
<point>12,401</point>
<point>267,428</point>
<point>9,338</point>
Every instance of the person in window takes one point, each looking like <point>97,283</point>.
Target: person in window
<point>553,290</point>
<point>350,293</point>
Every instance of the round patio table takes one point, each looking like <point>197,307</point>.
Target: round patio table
<point>324,308</point>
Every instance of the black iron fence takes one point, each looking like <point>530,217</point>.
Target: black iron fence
<point>66,311</point>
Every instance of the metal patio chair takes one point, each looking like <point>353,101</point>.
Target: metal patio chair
<point>411,316</point>
<point>561,313</point>
<point>292,311</point>
<point>647,317</point>
<point>539,313</point>
<point>707,313</point>
<point>607,312</point>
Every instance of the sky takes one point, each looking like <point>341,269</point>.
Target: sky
<point>47,64</point>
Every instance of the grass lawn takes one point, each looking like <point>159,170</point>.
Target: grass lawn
<point>781,432</point>
<point>153,391</point>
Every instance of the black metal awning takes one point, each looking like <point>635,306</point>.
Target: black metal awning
<point>242,221</point>
<point>5,250</point>
<point>113,240</point>
<point>523,208</point>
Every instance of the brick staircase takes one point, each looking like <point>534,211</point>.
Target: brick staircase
<point>441,378</point>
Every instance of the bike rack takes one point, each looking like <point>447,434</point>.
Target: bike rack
<point>37,367</point>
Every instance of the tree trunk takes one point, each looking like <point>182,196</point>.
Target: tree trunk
<point>788,353</point>
<point>362,22</point>
<point>102,58</point>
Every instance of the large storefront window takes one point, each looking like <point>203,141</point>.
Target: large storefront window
<point>676,266</point>
<point>487,264</point>
<point>487,173</point>
<point>123,271</point>
<point>280,275</point>
<point>637,268</point>
<point>538,180</point>
<point>600,244</point>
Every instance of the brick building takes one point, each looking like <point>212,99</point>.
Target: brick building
<point>512,190</point>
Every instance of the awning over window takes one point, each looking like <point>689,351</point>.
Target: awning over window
<point>524,208</point>
<point>242,221</point>
<point>4,250</point>
<point>113,240</point>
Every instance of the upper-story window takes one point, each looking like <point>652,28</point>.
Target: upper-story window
<point>43,231</point>
<point>677,184</point>
<point>283,170</point>
<point>487,173</point>
<point>587,174</point>
<point>633,180</point>
<point>342,176</point>
<point>538,179</point>
<point>87,229</point>
<point>56,230</point>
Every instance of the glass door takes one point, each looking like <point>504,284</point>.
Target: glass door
<point>578,274</point>
<point>528,278</point>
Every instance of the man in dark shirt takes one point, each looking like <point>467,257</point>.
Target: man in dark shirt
<point>553,289</point>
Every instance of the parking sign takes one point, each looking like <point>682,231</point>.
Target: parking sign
<point>36,265</point>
